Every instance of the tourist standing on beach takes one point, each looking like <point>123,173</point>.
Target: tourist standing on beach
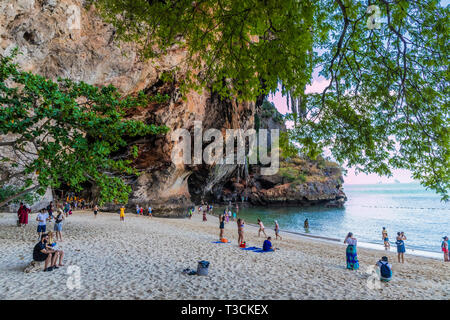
<point>352,258</point>
<point>277,231</point>
<point>240,223</point>
<point>261,228</point>
<point>221,226</point>
<point>385,238</point>
<point>42,219</point>
<point>234,216</point>
<point>23,212</point>
<point>58,224</point>
<point>150,212</point>
<point>306,224</point>
<point>444,246</point>
<point>204,216</point>
<point>401,246</point>
<point>122,213</point>
<point>95,211</point>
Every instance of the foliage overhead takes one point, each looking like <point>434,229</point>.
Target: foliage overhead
<point>65,132</point>
<point>386,103</point>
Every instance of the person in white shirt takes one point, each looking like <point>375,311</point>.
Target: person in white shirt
<point>42,219</point>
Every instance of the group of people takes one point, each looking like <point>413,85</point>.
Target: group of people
<point>45,215</point>
<point>140,211</point>
<point>47,251</point>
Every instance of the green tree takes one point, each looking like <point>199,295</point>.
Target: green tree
<point>386,105</point>
<point>64,132</point>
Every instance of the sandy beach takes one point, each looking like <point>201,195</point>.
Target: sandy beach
<point>143,258</point>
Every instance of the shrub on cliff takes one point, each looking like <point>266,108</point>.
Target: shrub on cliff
<point>64,132</point>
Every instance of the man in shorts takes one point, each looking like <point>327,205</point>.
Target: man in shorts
<point>42,219</point>
<point>42,253</point>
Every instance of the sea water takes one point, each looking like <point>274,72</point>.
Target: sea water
<point>410,208</point>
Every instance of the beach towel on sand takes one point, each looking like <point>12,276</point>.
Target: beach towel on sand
<point>251,248</point>
<point>220,242</point>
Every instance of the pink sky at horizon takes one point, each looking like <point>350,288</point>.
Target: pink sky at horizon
<point>318,85</point>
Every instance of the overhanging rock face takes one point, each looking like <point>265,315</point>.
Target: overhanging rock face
<point>53,46</point>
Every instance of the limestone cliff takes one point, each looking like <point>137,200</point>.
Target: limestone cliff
<point>63,38</point>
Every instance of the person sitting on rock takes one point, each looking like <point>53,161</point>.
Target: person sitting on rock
<point>42,253</point>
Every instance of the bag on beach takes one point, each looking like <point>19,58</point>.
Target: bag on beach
<point>385,271</point>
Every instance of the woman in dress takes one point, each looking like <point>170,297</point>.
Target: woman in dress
<point>352,258</point>
<point>401,246</point>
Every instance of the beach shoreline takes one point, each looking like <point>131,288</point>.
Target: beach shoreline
<point>143,258</point>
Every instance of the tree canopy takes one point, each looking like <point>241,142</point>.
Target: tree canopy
<point>386,104</point>
<point>64,132</point>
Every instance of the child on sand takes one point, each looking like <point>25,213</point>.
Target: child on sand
<point>261,228</point>
<point>204,216</point>
<point>95,211</point>
<point>122,213</point>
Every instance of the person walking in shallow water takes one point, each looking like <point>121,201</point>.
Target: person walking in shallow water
<point>352,258</point>
<point>444,246</point>
<point>385,238</point>
<point>306,224</point>
<point>401,246</point>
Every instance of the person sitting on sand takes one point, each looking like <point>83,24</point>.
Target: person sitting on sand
<point>401,246</point>
<point>352,258</point>
<point>52,245</point>
<point>122,213</point>
<point>261,228</point>
<point>267,245</point>
<point>384,237</point>
<point>42,253</point>
<point>444,247</point>
<point>277,231</point>
<point>221,226</point>
<point>385,269</point>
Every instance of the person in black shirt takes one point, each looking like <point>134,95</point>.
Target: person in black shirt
<point>42,253</point>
